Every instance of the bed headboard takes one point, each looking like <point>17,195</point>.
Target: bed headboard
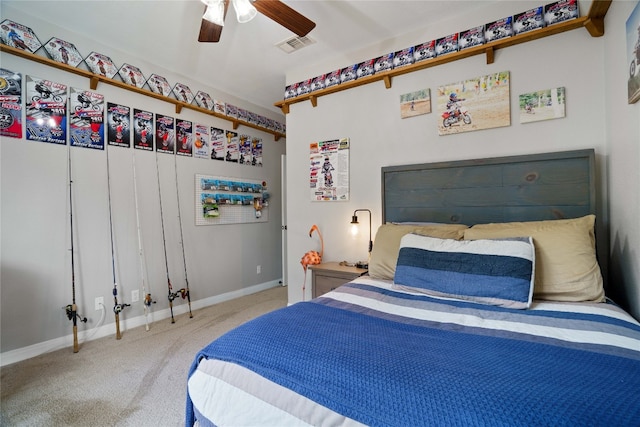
<point>500,189</point>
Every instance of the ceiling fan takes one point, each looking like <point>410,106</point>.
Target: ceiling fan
<point>216,11</point>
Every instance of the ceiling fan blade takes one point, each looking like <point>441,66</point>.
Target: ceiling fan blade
<point>210,32</point>
<point>285,16</point>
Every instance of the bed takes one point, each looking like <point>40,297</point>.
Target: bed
<point>484,305</point>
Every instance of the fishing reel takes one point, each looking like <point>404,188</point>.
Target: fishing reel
<point>70,313</point>
<point>148,301</point>
<point>180,292</point>
<point>117,308</point>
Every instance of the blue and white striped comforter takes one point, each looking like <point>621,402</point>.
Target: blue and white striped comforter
<point>367,354</point>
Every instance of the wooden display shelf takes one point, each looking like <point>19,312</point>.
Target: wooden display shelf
<point>593,22</point>
<point>94,79</point>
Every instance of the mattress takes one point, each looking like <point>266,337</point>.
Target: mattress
<point>369,354</point>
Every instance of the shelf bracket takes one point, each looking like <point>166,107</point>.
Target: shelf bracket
<point>93,83</point>
<point>387,81</point>
<point>179,109</point>
<point>236,124</point>
<point>314,100</point>
<point>276,138</point>
<point>595,26</point>
<point>284,108</point>
<point>490,54</point>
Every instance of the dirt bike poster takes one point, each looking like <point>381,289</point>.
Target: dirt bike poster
<point>86,119</point>
<point>415,103</point>
<point>474,104</point>
<point>10,104</point>
<point>256,147</point>
<point>19,36</point>
<point>542,105</point>
<point>158,84</point>
<point>203,100</point>
<point>246,154</point>
<point>165,134</point>
<point>633,52</point>
<point>232,153</point>
<point>218,143</point>
<point>184,138</point>
<point>142,130</point>
<point>132,75</point>
<point>183,93</point>
<point>101,64</point>
<point>63,52</point>
<point>118,125</point>
<point>201,141</point>
<point>329,170</point>
<point>46,111</point>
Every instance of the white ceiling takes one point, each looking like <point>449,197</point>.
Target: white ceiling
<point>245,62</point>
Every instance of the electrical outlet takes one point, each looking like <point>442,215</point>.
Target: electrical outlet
<point>99,303</point>
<point>135,296</point>
<point>259,269</point>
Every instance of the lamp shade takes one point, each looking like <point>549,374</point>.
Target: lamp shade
<point>214,12</point>
<point>244,10</point>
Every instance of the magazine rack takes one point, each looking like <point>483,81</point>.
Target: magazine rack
<point>593,22</point>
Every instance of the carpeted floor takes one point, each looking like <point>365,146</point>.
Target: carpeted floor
<point>139,380</point>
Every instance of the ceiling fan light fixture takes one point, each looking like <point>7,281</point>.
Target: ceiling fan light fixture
<point>245,11</point>
<point>214,12</point>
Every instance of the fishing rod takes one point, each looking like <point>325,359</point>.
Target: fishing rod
<point>171,295</point>
<point>185,291</point>
<point>117,308</point>
<point>72,309</point>
<point>147,301</point>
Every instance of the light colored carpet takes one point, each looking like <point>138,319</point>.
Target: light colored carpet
<point>139,380</point>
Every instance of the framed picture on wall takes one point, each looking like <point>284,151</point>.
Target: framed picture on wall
<point>101,64</point>
<point>542,105</point>
<point>63,52</point>
<point>415,103</point>
<point>19,36</point>
<point>633,55</point>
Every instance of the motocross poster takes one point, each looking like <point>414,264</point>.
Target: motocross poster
<point>201,141</point>
<point>232,153</point>
<point>131,75</point>
<point>246,155</point>
<point>203,100</point>
<point>329,170</point>
<point>633,52</point>
<point>10,104</point>
<point>256,147</point>
<point>19,36</point>
<point>218,143</point>
<point>158,84</point>
<point>63,52</point>
<point>184,138</point>
<point>142,130</point>
<point>86,119</point>
<point>183,93</point>
<point>101,64</point>
<point>165,134</point>
<point>118,125</point>
<point>474,104</point>
<point>46,115</point>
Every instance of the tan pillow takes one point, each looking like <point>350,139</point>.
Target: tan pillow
<point>566,264</point>
<point>384,255</point>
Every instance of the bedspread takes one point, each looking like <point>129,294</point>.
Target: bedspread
<point>380,356</point>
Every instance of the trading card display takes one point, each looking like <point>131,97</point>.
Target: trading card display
<point>46,116</point>
<point>219,106</point>
<point>499,29</point>
<point>183,93</point>
<point>424,51</point>
<point>471,37</point>
<point>10,103</point>
<point>63,52</point>
<point>365,68</point>
<point>333,78</point>
<point>118,125</point>
<point>232,111</point>
<point>348,73</point>
<point>165,134</point>
<point>560,11</point>
<point>383,63</point>
<point>403,57</point>
<point>304,87</point>
<point>101,64</point>
<point>318,82</point>
<point>290,91</point>
<point>142,130</point>
<point>132,75</point>
<point>86,121</point>
<point>158,84</point>
<point>203,100</point>
<point>528,21</point>
<point>19,36</point>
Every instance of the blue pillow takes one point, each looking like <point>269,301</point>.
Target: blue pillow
<point>494,272</point>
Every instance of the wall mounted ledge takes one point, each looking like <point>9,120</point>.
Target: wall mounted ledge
<point>95,79</point>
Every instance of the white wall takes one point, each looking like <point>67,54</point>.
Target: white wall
<point>369,116</point>
<point>35,256</point>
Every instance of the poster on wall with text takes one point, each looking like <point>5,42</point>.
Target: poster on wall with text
<point>256,146</point>
<point>246,155</point>
<point>633,52</point>
<point>86,121</point>
<point>218,143</point>
<point>201,141</point>
<point>184,138</point>
<point>10,103</point>
<point>118,125</point>
<point>46,116</point>
<point>143,130</point>
<point>329,170</point>
<point>232,153</point>
<point>165,134</point>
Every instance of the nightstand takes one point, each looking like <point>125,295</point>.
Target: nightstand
<point>327,276</point>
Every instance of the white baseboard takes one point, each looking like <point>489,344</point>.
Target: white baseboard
<point>17,355</point>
